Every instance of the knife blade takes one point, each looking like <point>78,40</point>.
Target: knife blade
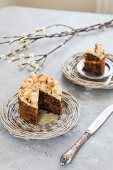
<point>68,156</point>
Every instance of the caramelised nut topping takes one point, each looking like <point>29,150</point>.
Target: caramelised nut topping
<point>34,98</point>
<point>30,80</point>
<point>42,78</point>
<point>26,85</point>
<point>51,86</point>
<point>51,81</point>
<point>43,87</point>
<point>34,78</point>
<point>98,51</point>
<point>98,48</point>
<point>29,91</point>
<point>56,90</point>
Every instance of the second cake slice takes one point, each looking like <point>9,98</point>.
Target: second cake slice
<point>94,61</point>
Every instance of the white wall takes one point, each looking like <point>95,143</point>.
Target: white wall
<point>101,6</point>
<point>4,3</point>
<point>104,6</point>
<point>79,5</point>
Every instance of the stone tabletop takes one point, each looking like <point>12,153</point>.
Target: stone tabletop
<point>18,154</point>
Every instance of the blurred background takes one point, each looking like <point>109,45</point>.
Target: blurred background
<point>100,6</point>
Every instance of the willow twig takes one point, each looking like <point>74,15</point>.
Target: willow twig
<point>37,61</point>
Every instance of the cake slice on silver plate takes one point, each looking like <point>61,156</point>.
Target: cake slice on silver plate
<point>94,61</point>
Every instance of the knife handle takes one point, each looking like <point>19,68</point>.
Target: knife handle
<point>67,157</point>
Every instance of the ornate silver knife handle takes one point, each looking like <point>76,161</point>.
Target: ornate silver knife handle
<point>67,157</point>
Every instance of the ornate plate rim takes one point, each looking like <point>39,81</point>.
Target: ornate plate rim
<point>108,63</point>
<point>79,80</point>
<point>15,134</point>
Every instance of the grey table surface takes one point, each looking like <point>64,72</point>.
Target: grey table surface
<point>18,154</point>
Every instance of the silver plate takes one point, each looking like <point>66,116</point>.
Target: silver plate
<point>108,70</point>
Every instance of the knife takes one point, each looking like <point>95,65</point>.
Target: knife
<point>68,156</point>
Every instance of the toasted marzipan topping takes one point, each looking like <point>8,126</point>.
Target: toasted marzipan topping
<point>34,78</point>
<point>28,96</point>
<point>98,51</point>
<point>30,89</point>
<point>42,78</point>
<point>51,81</point>
<point>43,87</point>
<point>98,48</point>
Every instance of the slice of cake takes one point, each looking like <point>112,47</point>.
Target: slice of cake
<point>39,92</point>
<point>94,61</point>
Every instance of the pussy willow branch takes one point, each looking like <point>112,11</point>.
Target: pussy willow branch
<point>64,33</point>
<point>44,57</point>
<point>27,39</point>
